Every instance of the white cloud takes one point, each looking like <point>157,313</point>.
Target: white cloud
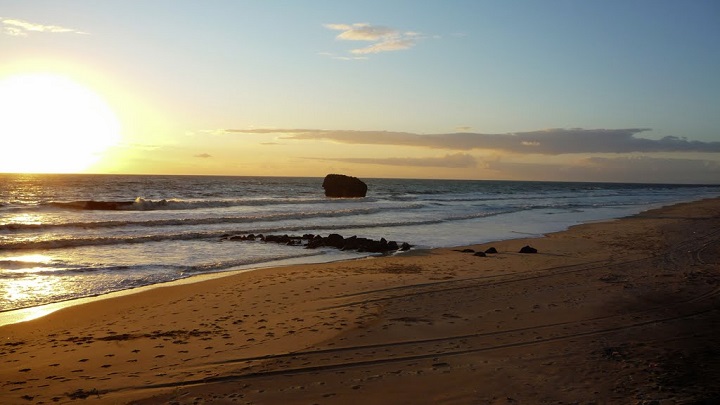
<point>363,32</point>
<point>385,46</point>
<point>383,39</point>
<point>21,28</point>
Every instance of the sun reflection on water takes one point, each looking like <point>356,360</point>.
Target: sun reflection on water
<point>22,219</point>
<point>26,287</point>
<point>31,258</point>
<point>31,289</point>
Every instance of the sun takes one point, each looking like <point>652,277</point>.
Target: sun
<point>52,124</point>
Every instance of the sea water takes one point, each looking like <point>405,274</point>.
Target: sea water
<point>172,227</point>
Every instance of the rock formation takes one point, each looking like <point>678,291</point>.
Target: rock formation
<point>310,241</point>
<point>342,186</point>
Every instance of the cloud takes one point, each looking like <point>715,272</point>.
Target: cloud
<point>454,161</point>
<point>203,155</point>
<point>383,39</point>
<point>621,169</point>
<point>362,32</point>
<point>656,167</point>
<point>21,28</point>
<point>544,142</point>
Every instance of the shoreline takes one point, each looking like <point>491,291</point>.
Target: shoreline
<point>12,316</point>
<point>18,315</point>
<point>604,311</point>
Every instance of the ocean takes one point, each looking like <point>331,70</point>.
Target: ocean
<point>172,227</point>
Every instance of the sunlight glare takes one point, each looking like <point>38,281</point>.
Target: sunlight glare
<point>31,258</point>
<point>51,124</point>
<point>25,219</point>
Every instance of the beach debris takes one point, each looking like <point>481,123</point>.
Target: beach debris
<point>528,249</point>
<point>334,240</point>
<point>491,250</point>
<point>342,186</point>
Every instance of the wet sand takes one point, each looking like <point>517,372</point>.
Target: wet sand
<point>620,312</point>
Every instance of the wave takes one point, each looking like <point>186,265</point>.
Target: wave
<point>442,195</point>
<point>141,204</point>
<point>98,241</point>
<point>11,269</point>
<point>231,264</point>
<point>465,198</point>
<point>10,264</point>
<point>186,236</point>
<point>143,277</point>
<point>205,220</point>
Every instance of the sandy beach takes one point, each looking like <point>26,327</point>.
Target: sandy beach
<point>619,312</point>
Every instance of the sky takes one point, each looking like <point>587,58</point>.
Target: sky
<point>561,90</point>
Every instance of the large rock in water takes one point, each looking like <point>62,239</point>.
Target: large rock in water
<point>340,185</point>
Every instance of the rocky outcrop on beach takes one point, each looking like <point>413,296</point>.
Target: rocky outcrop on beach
<point>334,240</point>
<point>490,250</point>
<point>342,186</point>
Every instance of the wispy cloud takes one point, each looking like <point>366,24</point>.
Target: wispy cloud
<point>454,161</point>
<point>381,39</point>
<point>544,142</point>
<point>203,155</point>
<point>21,28</point>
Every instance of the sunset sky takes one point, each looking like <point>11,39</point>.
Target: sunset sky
<point>520,90</point>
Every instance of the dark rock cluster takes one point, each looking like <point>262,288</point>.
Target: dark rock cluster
<point>334,240</point>
<point>487,251</point>
<point>492,250</point>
